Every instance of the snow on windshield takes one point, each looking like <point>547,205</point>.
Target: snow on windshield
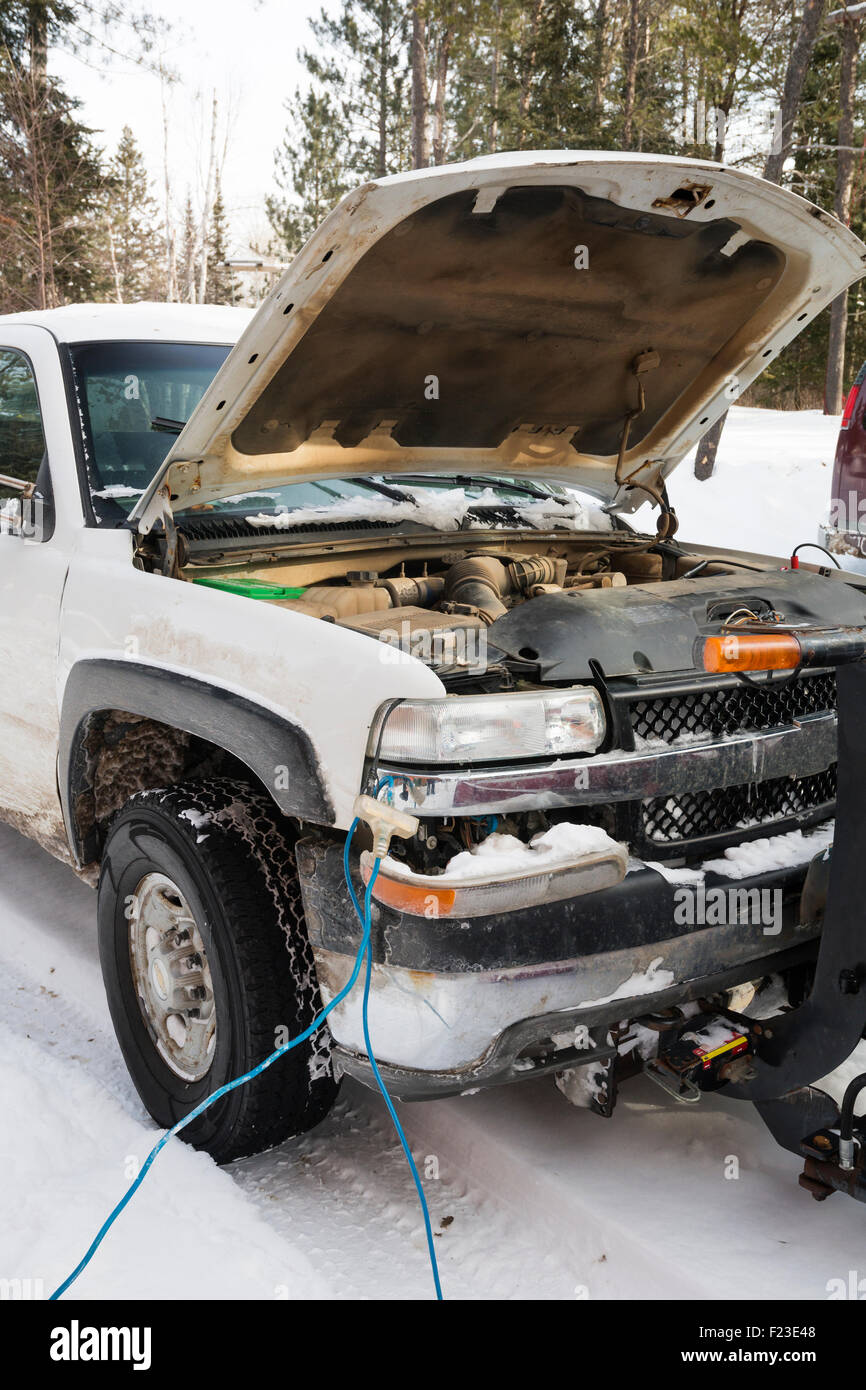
<point>444,510</point>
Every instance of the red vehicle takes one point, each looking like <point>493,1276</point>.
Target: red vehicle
<point>844,532</point>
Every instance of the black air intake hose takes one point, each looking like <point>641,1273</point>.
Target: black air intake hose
<point>479,582</point>
<point>482,581</point>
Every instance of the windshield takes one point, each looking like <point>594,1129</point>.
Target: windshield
<point>134,397</point>
<point>379,492</point>
<point>429,501</point>
<point>122,387</point>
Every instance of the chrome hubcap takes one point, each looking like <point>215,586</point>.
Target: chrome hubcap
<point>172,977</point>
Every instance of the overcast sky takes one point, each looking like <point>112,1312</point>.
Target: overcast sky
<point>245,51</point>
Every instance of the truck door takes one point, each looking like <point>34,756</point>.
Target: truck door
<point>35,445</point>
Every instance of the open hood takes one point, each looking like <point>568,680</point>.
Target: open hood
<point>512,314</point>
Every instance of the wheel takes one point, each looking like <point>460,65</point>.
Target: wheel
<point>207,965</point>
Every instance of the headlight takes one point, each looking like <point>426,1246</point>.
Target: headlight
<point>490,728</point>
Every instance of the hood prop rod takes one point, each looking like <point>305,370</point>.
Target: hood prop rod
<point>667,523</point>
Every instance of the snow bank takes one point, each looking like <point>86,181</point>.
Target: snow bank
<point>770,487</point>
<point>68,1154</point>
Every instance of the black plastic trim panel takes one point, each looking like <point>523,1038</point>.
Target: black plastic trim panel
<point>258,737</point>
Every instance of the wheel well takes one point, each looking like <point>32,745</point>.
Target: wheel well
<point>119,754</point>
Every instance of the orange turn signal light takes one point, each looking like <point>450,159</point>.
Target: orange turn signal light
<point>751,651</point>
<point>417,899</point>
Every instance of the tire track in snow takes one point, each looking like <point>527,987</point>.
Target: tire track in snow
<point>353,1164</point>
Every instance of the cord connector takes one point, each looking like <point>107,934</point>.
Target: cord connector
<point>385,821</point>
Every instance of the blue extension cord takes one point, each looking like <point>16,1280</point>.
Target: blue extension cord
<point>364,951</point>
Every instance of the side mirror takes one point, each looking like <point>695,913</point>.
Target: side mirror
<point>30,514</point>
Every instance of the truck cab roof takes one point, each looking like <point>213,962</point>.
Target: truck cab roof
<point>83,323</point>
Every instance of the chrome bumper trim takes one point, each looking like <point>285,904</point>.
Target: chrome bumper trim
<point>796,750</point>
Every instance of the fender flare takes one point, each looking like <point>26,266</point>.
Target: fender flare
<point>259,738</point>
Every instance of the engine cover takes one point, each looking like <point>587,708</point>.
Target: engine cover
<point>653,627</point>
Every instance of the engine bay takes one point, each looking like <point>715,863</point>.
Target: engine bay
<point>428,600</point>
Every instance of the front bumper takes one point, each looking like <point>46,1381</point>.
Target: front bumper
<point>455,1005</point>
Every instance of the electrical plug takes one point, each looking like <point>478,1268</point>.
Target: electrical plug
<point>385,821</point>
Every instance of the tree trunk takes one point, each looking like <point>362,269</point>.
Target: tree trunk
<point>834,388</point>
<point>700,123</point>
<point>801,53</point>
<point>207,209</point>
<point>37,40</point>
<point>813,13</point>
<point>705,458</point>
<point>526,85</point>
<point>439,105</point>
<point>493,127</point>
<point>721,114</point>
<point>599,24</point>
<point>382,152</point>
<point>631,58</point>
<point>36,78</point>
<point>644,46</point>
<point>420,93</point>
<point>115,269</point>
<point>171,290</point>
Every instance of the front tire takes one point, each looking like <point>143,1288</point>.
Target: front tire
<point>208,968</point>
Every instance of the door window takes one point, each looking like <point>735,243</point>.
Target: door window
<point>22,441</point>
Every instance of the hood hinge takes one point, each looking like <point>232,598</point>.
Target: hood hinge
<point>159,510</point>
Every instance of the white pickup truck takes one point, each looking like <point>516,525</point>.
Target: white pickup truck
<point>374,537</point>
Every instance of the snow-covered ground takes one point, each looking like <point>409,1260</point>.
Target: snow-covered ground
<point>770,488</point>
<point>529,1197</point>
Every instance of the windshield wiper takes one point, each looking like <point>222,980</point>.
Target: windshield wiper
<point>164,426</point>
<point>478,480</point>
<point>380,487</point>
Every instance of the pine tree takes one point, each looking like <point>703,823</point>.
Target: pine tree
<point>310,171</point>
<point>221,287</point>
<point>52,180</point>
<point>362,62</point>
<point>135,242</point>
<point>189,259</point>
<point>796,379</point>
<point>454,55</point>
<point>50,191</point>
<point>545,84</point>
